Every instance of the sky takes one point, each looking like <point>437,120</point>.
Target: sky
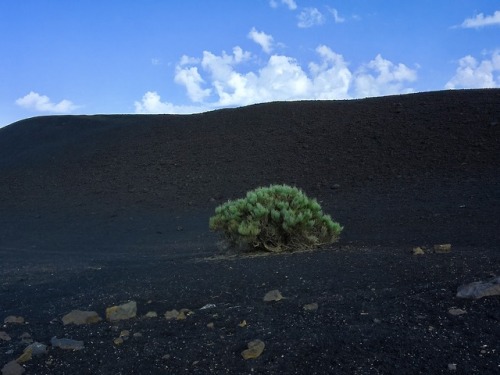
<point>160,56</point>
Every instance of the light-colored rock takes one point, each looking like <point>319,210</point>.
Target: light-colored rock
<point>171,314</point>
<point>442,248</point>
<point>67,344</point>
<point>480,289</point>
<point>122,312</point>
<point>4,336</point>
<point>79,317</point>
<point>456,312</point>
<point>255,349</point>
<point>125,334</point>
<point>13,368</point>
<point>418,251</point>
<point>118,341</point>
<point>273,295</point>
<point>211,325</point>
<point>311,307</point>
<point>14,319</point>
<point>151,314</point>
<point>208,306</point>
<point>26,356</point>
<point>243,324</point>
<point>452,366</point>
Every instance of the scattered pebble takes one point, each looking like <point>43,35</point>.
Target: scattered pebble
<point>311,306</point>
<point>452,366</point>
<point>14,319</point>
<point>67,344</point>
<point>211,325</point>
<point>151,314</point>
<point>118,341</point>
<point>273,295</point>
<point>4,336</point>
<point>171,314</point>
<point>243,324</point>
<point>13,368</point>
<point>208,306</point>
<point>26,338</point>
<point>418,251</point>
<point>122,312</point>
<point>456,312</point>
<point>79,317</point>
<point>480,289</point>
<point>442,248</point>
<point>255,349</point>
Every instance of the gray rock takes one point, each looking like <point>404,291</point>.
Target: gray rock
<point>13,368</point>
<point>479,289</point>
<point>14,319</point>
<point>4,336</point>
<point>273,295</point>
<point>67,344</point>
<point>37,348</point>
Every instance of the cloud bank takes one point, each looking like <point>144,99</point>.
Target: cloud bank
<point>214,81</point>
<point>42,103</point>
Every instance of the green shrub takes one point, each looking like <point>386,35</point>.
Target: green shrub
<point>275,218</point>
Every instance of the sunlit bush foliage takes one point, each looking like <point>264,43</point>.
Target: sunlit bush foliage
<point>276,218</point>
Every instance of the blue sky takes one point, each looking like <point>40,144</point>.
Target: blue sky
<point>159,56</point>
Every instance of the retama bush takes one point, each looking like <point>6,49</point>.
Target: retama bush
<point>277,218</point>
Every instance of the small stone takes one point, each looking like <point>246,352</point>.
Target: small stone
<point>211,325</point>
<point>243,324</point>
<point>171,314</point>
<point>125,334</point>
<point>166,356</point>
<point>37,349</point>
<point>442,248</point>
<point>67,344</point>
<point>255,349</point>
<point>4,336</point>
<point>456,312</point>
<point>418,251</point>
<point>452,367</point>
<point>118,341</point>
<point>137,335</point>
<point>122,312</point>
<point>311,307</point>
<point>273,295</point>
<point>181,316</point>
<point>79,317</point>
<point>26,356</point>
<point>151,314</point>
<point>377,321</point>
<point>208,306</point>
<point>14,319</point>
<point>13,368</point>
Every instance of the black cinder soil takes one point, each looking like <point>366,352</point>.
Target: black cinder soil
<point>99,210</point>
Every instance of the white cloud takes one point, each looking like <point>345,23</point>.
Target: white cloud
<point>42,103</point>
<point>336,16</point>
<point>310,17</point>
<point>151,103</point>
<point>481,20</point>
<point>474,74</point>
<point>382,77</point>
<point>291,4</point>
<point>191,79</point>
<point>262,39</point>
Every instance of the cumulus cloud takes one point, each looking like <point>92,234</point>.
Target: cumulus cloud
<point>481,21</point>
<point>310,17</point>
<point>291,4</point>
<point>151,103</point>
<point>474,74</point>
<point>262,39</point>
<point>42,103</point>
<point>336,16</point>
<point>382,77</point>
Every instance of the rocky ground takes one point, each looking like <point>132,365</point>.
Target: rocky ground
<point>102,211</point>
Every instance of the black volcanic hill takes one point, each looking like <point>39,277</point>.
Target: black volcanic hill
<point>407,169</point>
